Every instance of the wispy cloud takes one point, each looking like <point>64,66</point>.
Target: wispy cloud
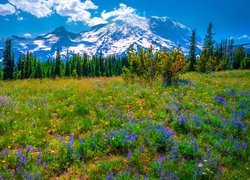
<point>74,10</point>
<point>105,16</point>
<point>7,9</point>
<point>243,37</point>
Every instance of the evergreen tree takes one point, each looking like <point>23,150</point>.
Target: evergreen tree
<point>68,69</point>
<point>85,65</point>
<point>20,67</point>
<point>39,71</point>
<point>208,42</point>
<point>1,71</point>
<point>238,57</point>
<point>58,71</point>
<point>202,61</point>
<point>79,66</point>
<point>230,53</point>
<point>27,65</point>
<point>245,64</point>
<point>192,53</point>
<point>8,61</point>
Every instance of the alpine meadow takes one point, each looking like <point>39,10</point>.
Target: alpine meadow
<point>108,90</point>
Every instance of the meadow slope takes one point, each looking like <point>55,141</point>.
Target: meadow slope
<point>99,128</point>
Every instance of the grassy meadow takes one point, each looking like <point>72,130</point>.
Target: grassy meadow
<point>106,128</point>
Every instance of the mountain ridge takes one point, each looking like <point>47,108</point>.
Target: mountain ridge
<point>112,38</point>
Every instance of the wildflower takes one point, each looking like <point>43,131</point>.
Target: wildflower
<point>3,152</point>
<point>161,158</point>
<point>220,99</point>
<point>182,119</point>
<point>22,159</point>
<point>204,173</point>
<point>81,140</point>
<point>2,100</point>
<point>110,176</point>
<point>238,123</point>
<point>163,174</point>
<point>200,165</point>
<point>129,154</point>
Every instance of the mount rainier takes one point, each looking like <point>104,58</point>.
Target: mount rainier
<point>112,38</point>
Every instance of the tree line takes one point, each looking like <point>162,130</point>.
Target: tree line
<point>28,66</point>
<point>216,57</point>
<point>145,64</point>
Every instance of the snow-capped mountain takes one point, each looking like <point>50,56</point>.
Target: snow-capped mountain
<point>113,38</point>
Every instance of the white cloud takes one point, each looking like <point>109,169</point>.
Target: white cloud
<point>95,21</point>
<point>75,10</point>
<point>243,37</point>
<point>19,18</point>
<point>38,8</point>
<point>7,9</point>
<point>27,35</point>
<point>122,10</point>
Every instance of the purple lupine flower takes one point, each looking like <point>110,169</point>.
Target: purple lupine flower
<point>220,99</point>
<point>81,140</point>
<point>230,138</point>
<point>195,146</point>
<point>237,145</point>
<point>133,137</point>
<point>163,174</point>
<point>110,176</point>
<point>142,149</point>
<point>161,158</point>
<point>129,154</point>
<point>22,159</point>
<point>45,165</point>
<point>182,119</point>
<point>2,100</point>
<point>219,171</point>
<point>174,153</point>
<point>38,159</point>
<point>238,123</point>
<point>244,146</point>
<point>28,149</point>
<point>4,152</point>
<point>71,138</point>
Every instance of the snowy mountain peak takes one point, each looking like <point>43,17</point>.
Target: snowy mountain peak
<point>112,38</point>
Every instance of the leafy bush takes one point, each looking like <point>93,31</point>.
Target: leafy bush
<point>150,64</point>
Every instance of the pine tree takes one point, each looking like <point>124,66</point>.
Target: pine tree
<point>192,53</point>
<point>39,71</point>
<point>239,57</point>
<point>1,71</point>
<point>230,53</point>
<point>68,69</point>
<point>20,67</point>
<point>208,42</point>
<point>57,71</point>
<point>79,66</point>
<point>85,65</point>
<point>8,61</point>
<point>27,65</point>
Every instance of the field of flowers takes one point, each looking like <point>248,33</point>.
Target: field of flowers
<point>105,128</point>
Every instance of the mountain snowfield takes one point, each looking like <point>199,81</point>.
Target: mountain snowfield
<point>113,38</point>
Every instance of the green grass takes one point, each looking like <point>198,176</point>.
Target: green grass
<point>104,127</point>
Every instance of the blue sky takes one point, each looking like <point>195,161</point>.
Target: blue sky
<point>24,17</point>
